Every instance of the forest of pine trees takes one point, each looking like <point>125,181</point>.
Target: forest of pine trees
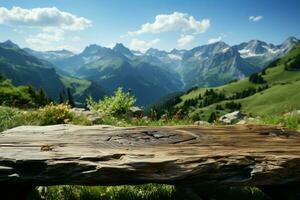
<point>256,78</point>
<point>292,64</point>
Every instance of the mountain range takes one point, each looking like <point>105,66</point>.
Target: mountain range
<point>277,93</point>
<point>149,75</point>
<point>25,69</point>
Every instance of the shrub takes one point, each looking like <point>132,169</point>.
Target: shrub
<point>21,96</point>
<point>49,115</point>
<point>55,114</point>
<point>113,106</point>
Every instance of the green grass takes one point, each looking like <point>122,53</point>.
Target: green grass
<point>125,122</point>
<point>278,99</point>
<point>13,117</point>
<point>80,85</point>
<point>151,192</point>
<point>291,121</point>
<point>282,95</point>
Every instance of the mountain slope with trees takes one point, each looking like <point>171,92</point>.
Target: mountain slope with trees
<point>274,90</point>
<point>149,76</point>
<point>21,96</point>
<point>23,68</point>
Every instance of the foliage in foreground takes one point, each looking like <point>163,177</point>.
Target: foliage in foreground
<point>150,192</point>
<point>113,111</point>
<point>113,106</point>
<point>48,115</point>
<point>289,120</point>
<point>114,121</point>
<point>21,96</point>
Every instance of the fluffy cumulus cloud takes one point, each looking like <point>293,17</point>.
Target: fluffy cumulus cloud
<point>45,38</point>
<point>51,22</point>
<point>185,40</point>
<point>173,22</point>
<point>214,40</point>
<point>142,45</point>
<point>42,17</point>
<point>255,18</point>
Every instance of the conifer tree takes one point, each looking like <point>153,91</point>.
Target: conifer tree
<point>212,117</point>
<point>70,98</point>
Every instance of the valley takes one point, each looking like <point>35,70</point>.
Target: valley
<point>98,71</point>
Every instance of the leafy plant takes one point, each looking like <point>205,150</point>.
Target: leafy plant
<point>21,96</point>
<point>113,106</point>
<point>56,114</point>
<point>152,192</point>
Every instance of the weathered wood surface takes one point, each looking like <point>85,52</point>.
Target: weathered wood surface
<point>95,155</point>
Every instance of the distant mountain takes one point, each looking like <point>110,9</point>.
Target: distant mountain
<point>170,60</point>
<point>25,69</point>
<point>218,63</point>
<point>118,67</point>
<point>212,65</point>
<point>50,56</point>
<point>260,53</point>
<point>277,94</point>
<point>156,72</point>
<point>9,44</point>
<point>120,48</point>
<point>92,53</point>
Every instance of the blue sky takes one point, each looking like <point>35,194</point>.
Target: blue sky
<point>180,24</point>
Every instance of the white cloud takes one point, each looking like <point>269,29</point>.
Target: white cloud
<point>45,38</point>
<point>214,40</point>
<point>52,23</point>
<point>185,39</point>
<point>173,22</point>
<point>71,48</point>
<point>142,45</point>
<point>47,42</point>
<point>42,17</point>
<point>255,18</point>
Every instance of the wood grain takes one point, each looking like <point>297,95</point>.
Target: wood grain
<point>106,155</point>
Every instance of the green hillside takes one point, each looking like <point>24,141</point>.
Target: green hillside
<point>21,96</point>
<point>277,93</point>
<point>23,68</point>
<point>81,89</point>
